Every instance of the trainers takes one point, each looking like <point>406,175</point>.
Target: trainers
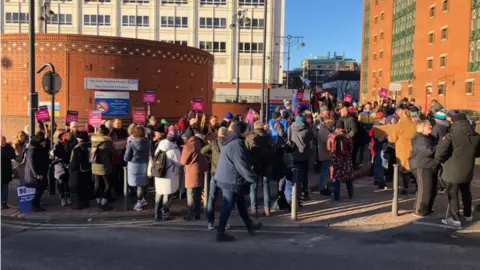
<point>254,227</point>
<point>223,237</point>
<point>469,219</point>
<point>449,221</point>
<point>144,203</point>
<point>211,226</point>
<point>69,201</point>
<point>63,202</point>
<point>138,206</point>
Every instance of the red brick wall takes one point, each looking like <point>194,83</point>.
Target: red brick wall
<point>177,73</point>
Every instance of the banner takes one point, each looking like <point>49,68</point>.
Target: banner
<point>139,115</point>
<point>149,97</point>
<point>72,116</point>
<point>42,114</point>
<point>95,118</point>
<point>197,104</point>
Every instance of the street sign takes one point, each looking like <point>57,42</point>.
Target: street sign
<point>51,82</point>
<point>112,103</point>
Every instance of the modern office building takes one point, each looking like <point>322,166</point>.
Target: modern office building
<point>317,68</point>
<point>204,24</point>
<point>426,49</point>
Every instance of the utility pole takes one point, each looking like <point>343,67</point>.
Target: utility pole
<point>33,96</point>
<point>262,108</point>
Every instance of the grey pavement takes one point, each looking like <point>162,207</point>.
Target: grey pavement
<point>153,247</point>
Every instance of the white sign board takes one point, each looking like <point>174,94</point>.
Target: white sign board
<point>395,87</point>
<point>282,93</point>
<point>111,84</point>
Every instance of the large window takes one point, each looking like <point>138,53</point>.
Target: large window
<point>213,2</point>
<point>65,19</point>
<point>251,2</point>
<point>213,46</point>
<point>251,47</point>
<point>213,23</point>
<point>178,42</point>
<point>170,21</point>
<point>174,1</point>
<point>254,24</point>
<point>15,17</point>
<point>135,21</point>
<point>96,20</point>
<point>136,1</point>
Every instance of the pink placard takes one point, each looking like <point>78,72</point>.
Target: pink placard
<point>383,93</point>
<point>139,115</point>
<point>72,116</point>
<point>197,104</point>
<point>250,116</point>
<point>348,98</point>
<point>149,97</point>
<point>42,114</point>
<point>95,118</point>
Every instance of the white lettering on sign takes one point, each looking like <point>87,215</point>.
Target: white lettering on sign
<point>111,84</point>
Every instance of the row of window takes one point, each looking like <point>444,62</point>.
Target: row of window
<point>380,55</point>
<point>253,47</point>
<point>96,20</point>
<point>16,17</point>
<point>432,9</point>
<point>202,2</point>
<point>135,21</point>
<point>178,42</point>
<point>443,62</point>
<point>443,35</point>
<point>375,37</point>
<point>171,21</point>
<point>213,46</point>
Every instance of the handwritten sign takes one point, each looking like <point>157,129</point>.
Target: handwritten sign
<point>42,114</point>
<point>139,115</point>
<point>149,97</point>
<point>197,104</point>
<point>95,118</point>
<point>72,116</point>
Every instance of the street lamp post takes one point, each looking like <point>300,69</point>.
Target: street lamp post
<point>290,41</point>
<point>32,95</point>
<point>264,61</point>
<point>240,19</point>
<point>47,13</point>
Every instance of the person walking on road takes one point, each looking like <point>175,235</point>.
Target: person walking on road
<point>234,175</point>
<point>457,151</point>
<point>424,167</point>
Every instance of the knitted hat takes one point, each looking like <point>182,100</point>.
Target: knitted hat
<point>440,115</point>
<point>340,124</point>
<point>163,121</point>
<point>459,117</point>
<point>228,116</point>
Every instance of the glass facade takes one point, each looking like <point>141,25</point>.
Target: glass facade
<point>402,40</point>
<point>474,58</point>
<point>366,39</point>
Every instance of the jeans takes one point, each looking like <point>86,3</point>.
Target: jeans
<point>303,176</point>
<point>194,198</point>
<point>231,198</point>
<point>212,195</point>
<point>336,193</point>
<point>266,193</point>
<point>102,186</point>
<point>378,168</point>
<point>4,193</point>
<point>162,205</point>
<point>324,174</point>
<point>452,192</point>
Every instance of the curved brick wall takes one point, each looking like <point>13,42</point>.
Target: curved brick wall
<point>177,73</point>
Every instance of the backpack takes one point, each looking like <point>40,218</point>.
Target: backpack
<point>159,164</point>
<point>341,146</point>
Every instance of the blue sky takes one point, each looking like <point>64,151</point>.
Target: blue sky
<point>326,25</point>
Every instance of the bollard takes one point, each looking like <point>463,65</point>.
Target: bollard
<point>125,188</point>
<point>205,192</point>
<point>294,203</point>
<point>395,191</point>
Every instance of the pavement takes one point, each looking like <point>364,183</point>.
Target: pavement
<point>370,207</point>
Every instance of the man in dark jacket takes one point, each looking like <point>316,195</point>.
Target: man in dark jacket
<point>81,171</point>
<point>457,151</point>
<point>36,168</point>
<point>234,176</point>
<point>300,136</point>
<point>8,154</point>
<point>227,120</point>
<point>440,129</point>
<point>260,144</point>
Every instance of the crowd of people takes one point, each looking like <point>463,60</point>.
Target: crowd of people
<point>435,152</point>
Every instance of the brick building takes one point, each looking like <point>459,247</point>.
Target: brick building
<point>427,49</point>
<point>176,73</point>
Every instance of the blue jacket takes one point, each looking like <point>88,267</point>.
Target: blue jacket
<point>234,170</point>
<point>138,151</point>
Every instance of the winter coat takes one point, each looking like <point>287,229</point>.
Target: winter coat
<point>300,136</point>
<point>137,155</point>
<point>195,163</point>
<point>440,129</point>
<point>322,139</point>
<point>351,126</point>
<point>80,169</point>
<point>36,164</point>
<point>234,171</point>
<point>401,135</point>
<point>341,168</point>
<point>423,152</point>
<point>457,151</point>
<point>104,153</point>
<point>170,183</point>
<point>118,134</point>
<point>260,145</point>
<point>8,154</point>
<point>212,150</point>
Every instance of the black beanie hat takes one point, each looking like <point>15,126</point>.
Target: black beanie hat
<point>239,127</point>
<point>340,124</point>
<point>459,117</point>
